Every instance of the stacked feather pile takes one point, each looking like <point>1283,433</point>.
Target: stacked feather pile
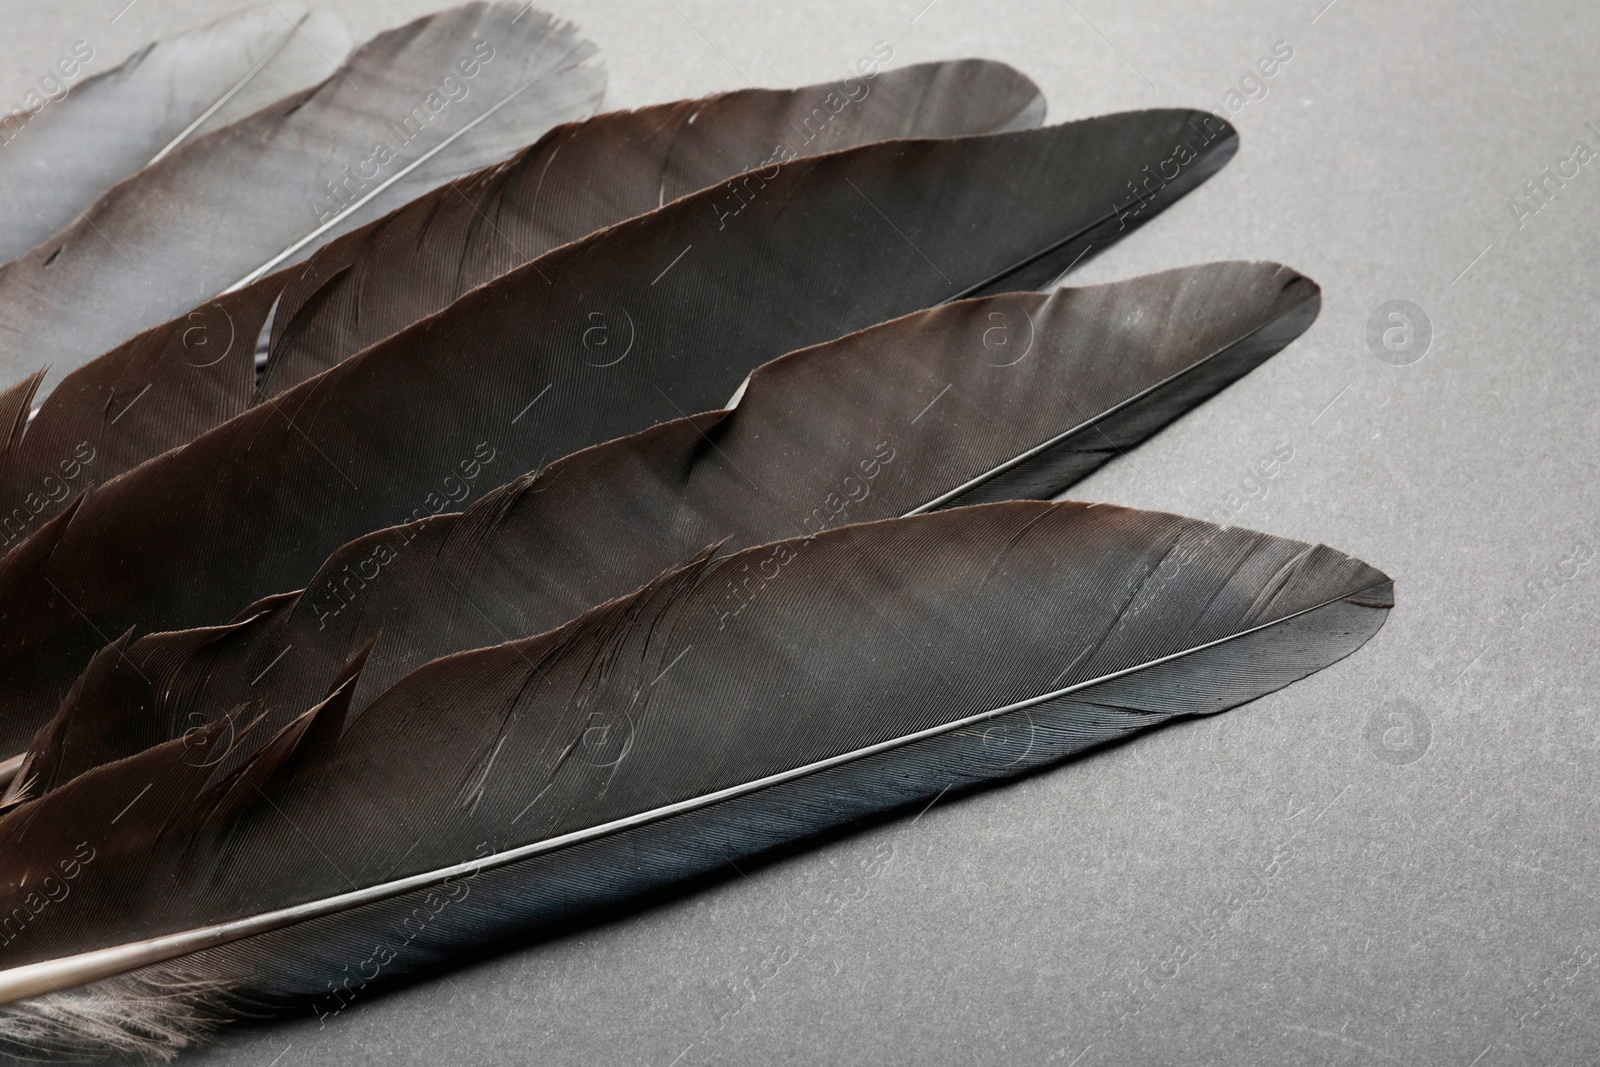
<point>433,511</point>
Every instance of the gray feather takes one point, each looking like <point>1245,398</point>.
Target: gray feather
<point>270,188</point>
<point>57,157</point>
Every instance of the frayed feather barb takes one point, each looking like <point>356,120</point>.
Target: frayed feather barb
<point>153,1013</point>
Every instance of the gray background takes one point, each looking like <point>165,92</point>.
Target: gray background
<point>1431,800</point>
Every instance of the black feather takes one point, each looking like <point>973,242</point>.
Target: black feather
<point>177,380</point>
<point>513,788</point>
<point>687,304</point>
<point>1029,390</point>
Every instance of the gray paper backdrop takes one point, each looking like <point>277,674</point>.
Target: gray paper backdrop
<point>1391,862</point>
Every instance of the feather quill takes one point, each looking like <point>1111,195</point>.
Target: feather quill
<point>415,107</point>
<point>1017,395</point>
<point>176,380</point>
<point>831,244</point>
<point>58,157</point>
<point>508,790</point>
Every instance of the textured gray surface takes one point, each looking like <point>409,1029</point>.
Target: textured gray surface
<point>1427,807</point>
